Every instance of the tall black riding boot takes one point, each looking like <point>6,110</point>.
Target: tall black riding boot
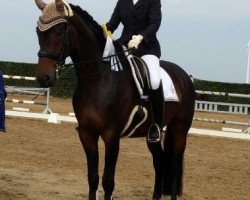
<point>157,105</point>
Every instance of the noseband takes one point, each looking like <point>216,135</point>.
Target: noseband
<point>64,52</point>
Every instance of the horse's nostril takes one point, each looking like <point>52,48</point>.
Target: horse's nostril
<point>44,81</point>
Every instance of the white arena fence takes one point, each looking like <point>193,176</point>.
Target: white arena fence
<point>232,108</point>
<point>28,91</point>
<point>220,107</point>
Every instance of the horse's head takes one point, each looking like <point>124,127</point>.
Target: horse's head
<point>54,34</point>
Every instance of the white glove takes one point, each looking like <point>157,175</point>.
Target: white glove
<point>135,41</point>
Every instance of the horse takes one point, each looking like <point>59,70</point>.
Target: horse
<point>103,99</point>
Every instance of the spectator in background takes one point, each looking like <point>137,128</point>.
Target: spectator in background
<point>3,95</point>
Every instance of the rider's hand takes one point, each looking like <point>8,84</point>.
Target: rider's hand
<point>135,41</point>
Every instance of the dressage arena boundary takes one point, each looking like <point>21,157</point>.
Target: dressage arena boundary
<point>52,117</point>
<point>57,119</point>
<point>214,133</point>
<point>29,91</point>
<point>221,121</point>
<point>246,131</point>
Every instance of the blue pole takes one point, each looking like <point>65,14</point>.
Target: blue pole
<point>3,95</point>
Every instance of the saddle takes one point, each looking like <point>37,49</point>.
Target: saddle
<point>141,78</point>
<point>140,74</point>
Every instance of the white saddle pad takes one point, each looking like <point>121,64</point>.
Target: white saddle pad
<point>167,83</point>
<point>168,87</point>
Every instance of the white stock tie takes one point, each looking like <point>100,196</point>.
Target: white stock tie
<point>135,1</point>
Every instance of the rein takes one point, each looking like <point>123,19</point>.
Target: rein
<point>90,61</point>
<point>64,53</point>
<point>98,59</point>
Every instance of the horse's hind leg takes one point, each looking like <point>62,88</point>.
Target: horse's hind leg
<point>111,153</point>
<point>90,145</point>
<point>158,166</point>
<point>158,162</point>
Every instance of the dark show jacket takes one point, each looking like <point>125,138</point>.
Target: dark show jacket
<point>143,18</point>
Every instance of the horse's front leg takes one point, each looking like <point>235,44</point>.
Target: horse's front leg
<point>112,142</point>
<point>90,145</point>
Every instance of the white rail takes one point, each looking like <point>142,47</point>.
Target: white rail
<point>28,78</point>
<point>223,94</point>
<point>27,90</point>
<point>220,107</point>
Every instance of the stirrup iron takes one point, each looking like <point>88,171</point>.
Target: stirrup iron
<point>154,133</point>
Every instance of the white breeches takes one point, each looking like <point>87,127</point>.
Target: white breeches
<point>153,64</point>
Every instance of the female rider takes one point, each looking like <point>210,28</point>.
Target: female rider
<point>141,20</point>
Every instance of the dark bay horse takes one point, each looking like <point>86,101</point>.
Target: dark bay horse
<point>104,99</point>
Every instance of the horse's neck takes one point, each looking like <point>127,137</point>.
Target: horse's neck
<point>89,68</point>
<point>88,51</point>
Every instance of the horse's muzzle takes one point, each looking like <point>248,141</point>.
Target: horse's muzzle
<point>45,80</point>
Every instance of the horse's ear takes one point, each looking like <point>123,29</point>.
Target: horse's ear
<point>40,4</point>
<point>60,5</point>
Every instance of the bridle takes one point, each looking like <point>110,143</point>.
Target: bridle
<point>64,52</point>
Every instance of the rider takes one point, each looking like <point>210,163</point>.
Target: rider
<point>141,20</point>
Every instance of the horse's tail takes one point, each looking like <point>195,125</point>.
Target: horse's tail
<point>167,175</point>
<point>172,165</point>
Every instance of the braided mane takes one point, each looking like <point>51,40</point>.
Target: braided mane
<point>88,19</point>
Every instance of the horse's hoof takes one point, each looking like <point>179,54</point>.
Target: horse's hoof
<point>156,197</point>
<point>108,198</point>
<point>173,197</point>
<point>93,196</point>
